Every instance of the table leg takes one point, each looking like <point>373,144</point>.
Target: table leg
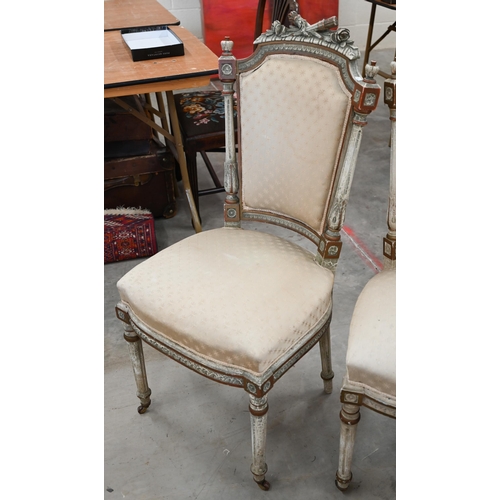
<point>175,137</point>
<point>181,158</point>
<point>368,47</point>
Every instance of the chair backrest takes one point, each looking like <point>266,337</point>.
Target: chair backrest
<point>280,9</point>
<point>302,103</point>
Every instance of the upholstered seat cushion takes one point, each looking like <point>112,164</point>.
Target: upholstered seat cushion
<point>240,297</point>
<point>371,350</point>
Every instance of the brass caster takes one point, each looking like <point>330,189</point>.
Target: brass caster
<point>142,409</point>
<point>337,485</point>
<point>264,485</point>
<point>342,484</point>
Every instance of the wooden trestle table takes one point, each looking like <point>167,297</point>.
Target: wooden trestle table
<point>123,77</point>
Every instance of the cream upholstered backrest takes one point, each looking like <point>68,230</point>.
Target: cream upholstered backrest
<point>294,111</point>
<point>301,106</point>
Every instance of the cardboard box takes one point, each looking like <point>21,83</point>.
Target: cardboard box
<point>152,42</point>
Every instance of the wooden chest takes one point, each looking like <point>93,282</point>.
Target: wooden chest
<point>142,181</point>
<point>120,125</point>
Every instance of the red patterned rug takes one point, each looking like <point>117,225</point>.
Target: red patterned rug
<point>129,233</point>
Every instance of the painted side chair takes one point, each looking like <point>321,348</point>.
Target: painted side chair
<point>241,306</point>
<point>370,378</point>
<point>201,113</point>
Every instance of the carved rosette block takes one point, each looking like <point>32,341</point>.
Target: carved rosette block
<point>329,251</point>
<point>351,398</point>
<point>390,94</point>
<point>122,315</point>
<point>389,248</point>
<point>257,390</point>
<point>366,93</point>
<point>231,214</point>
<point>330,248</point>
<point>227,61</point>
<point>390,90</point>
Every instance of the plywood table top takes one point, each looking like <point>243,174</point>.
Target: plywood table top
<point>122,76</point>
<point>119,14</point>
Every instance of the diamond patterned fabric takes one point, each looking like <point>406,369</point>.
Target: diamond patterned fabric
<point>204,293</point>
<point>294,111</point>
<point>371,350</point>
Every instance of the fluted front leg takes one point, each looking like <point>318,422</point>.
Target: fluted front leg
<point>258,418</point>
<point>326,361</point>
<point>137,357</point>
<point>349,418</point>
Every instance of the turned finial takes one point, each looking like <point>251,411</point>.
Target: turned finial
<point>393,68</point>
<point>371,70</point>
<point>227,46</point>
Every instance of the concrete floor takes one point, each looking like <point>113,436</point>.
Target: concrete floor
<point>194,440</point>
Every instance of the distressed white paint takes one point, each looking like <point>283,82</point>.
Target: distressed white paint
<point>348,425</point>
<point>341,194</point>
<point>355,394</point>
<point>259,432</point>
<point>139,367</point>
